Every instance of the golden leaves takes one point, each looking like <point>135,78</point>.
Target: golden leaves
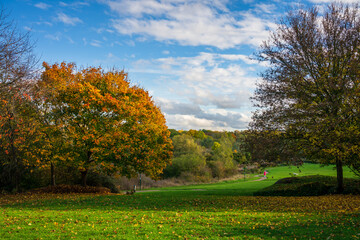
<point>102,113</point>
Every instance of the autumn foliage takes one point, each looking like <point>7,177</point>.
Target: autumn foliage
<point>104,122</point>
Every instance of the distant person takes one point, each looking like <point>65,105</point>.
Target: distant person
<point>265,172</point>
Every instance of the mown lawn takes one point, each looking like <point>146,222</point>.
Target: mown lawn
<point>200,212</point>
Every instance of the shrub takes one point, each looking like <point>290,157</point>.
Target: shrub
<point>102,180</point>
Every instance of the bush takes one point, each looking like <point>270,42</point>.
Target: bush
<point>203,175</point>
<point>102,180</point>
<point>125,183</point>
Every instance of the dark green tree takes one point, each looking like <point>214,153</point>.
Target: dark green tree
<point>188,155</point>
<point>311,89</point>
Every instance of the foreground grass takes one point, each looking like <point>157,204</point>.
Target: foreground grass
<point>181,214</point>
<point>224,210</point>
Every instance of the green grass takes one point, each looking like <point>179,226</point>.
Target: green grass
<point>247,188</point>
<point>218,211</point>
<point>305,170</point>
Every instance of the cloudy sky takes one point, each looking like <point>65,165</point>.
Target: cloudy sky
<point>193,56</point>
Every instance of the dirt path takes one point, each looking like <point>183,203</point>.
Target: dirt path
<point>260,179</point>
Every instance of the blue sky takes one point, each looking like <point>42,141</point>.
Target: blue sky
<point>193,56</point>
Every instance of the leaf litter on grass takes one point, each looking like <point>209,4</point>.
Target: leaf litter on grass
<point>192,215</point>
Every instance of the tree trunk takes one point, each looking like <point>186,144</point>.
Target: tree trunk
<point>85,172</point>
<point>17,176</point>
<point>340,177</point>
<point>52,173</point>
<point>83,177</point>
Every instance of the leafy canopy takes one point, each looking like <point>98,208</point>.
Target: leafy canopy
<point>311,89</point>
<point>107,123</point>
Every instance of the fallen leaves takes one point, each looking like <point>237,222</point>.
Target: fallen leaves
<point>175,215</point>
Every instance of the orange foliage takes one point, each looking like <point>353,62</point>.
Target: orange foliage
<point>106,121</point>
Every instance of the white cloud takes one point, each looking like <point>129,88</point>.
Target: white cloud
<point>265,8</point>
<point>211,79</point>
<point>190,22</point>
<point>214,119</point>
<point>214,88</point>
<point>96,43</point>
<point>186,122</point>
<point>55,37</point>
<point>173,107</point>
<point>220,73</point>
<point>74,4</point>
<point>62,17</point>
<point>42,5</point>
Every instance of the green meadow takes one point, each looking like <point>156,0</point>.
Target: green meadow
<point>225,210</point>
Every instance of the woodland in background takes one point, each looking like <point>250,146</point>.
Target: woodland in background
<point>203,155</point>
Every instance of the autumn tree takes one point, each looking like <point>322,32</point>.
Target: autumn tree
<point>49,147</point>
<point>106,122</point>
<point>311,89</point>
<point>16,126</point>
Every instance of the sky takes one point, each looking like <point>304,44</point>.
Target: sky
<point>194,57</point>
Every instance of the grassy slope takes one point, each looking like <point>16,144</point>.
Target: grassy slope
<point>187,213</point>
<point>306,170</point>
<point>248,187</point>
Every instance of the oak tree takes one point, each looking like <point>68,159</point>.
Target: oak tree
<point>311,89</point>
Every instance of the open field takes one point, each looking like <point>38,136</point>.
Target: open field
<point>246,188</point>
<point>225,210</point>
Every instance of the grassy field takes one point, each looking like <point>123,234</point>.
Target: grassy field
<point>224,210</point>
<point>246,188</point>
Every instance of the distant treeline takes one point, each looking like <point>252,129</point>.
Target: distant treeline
<point>201,155</point>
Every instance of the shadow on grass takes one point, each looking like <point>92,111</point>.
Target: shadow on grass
<point>202,201</point>
<point>192,215</point>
